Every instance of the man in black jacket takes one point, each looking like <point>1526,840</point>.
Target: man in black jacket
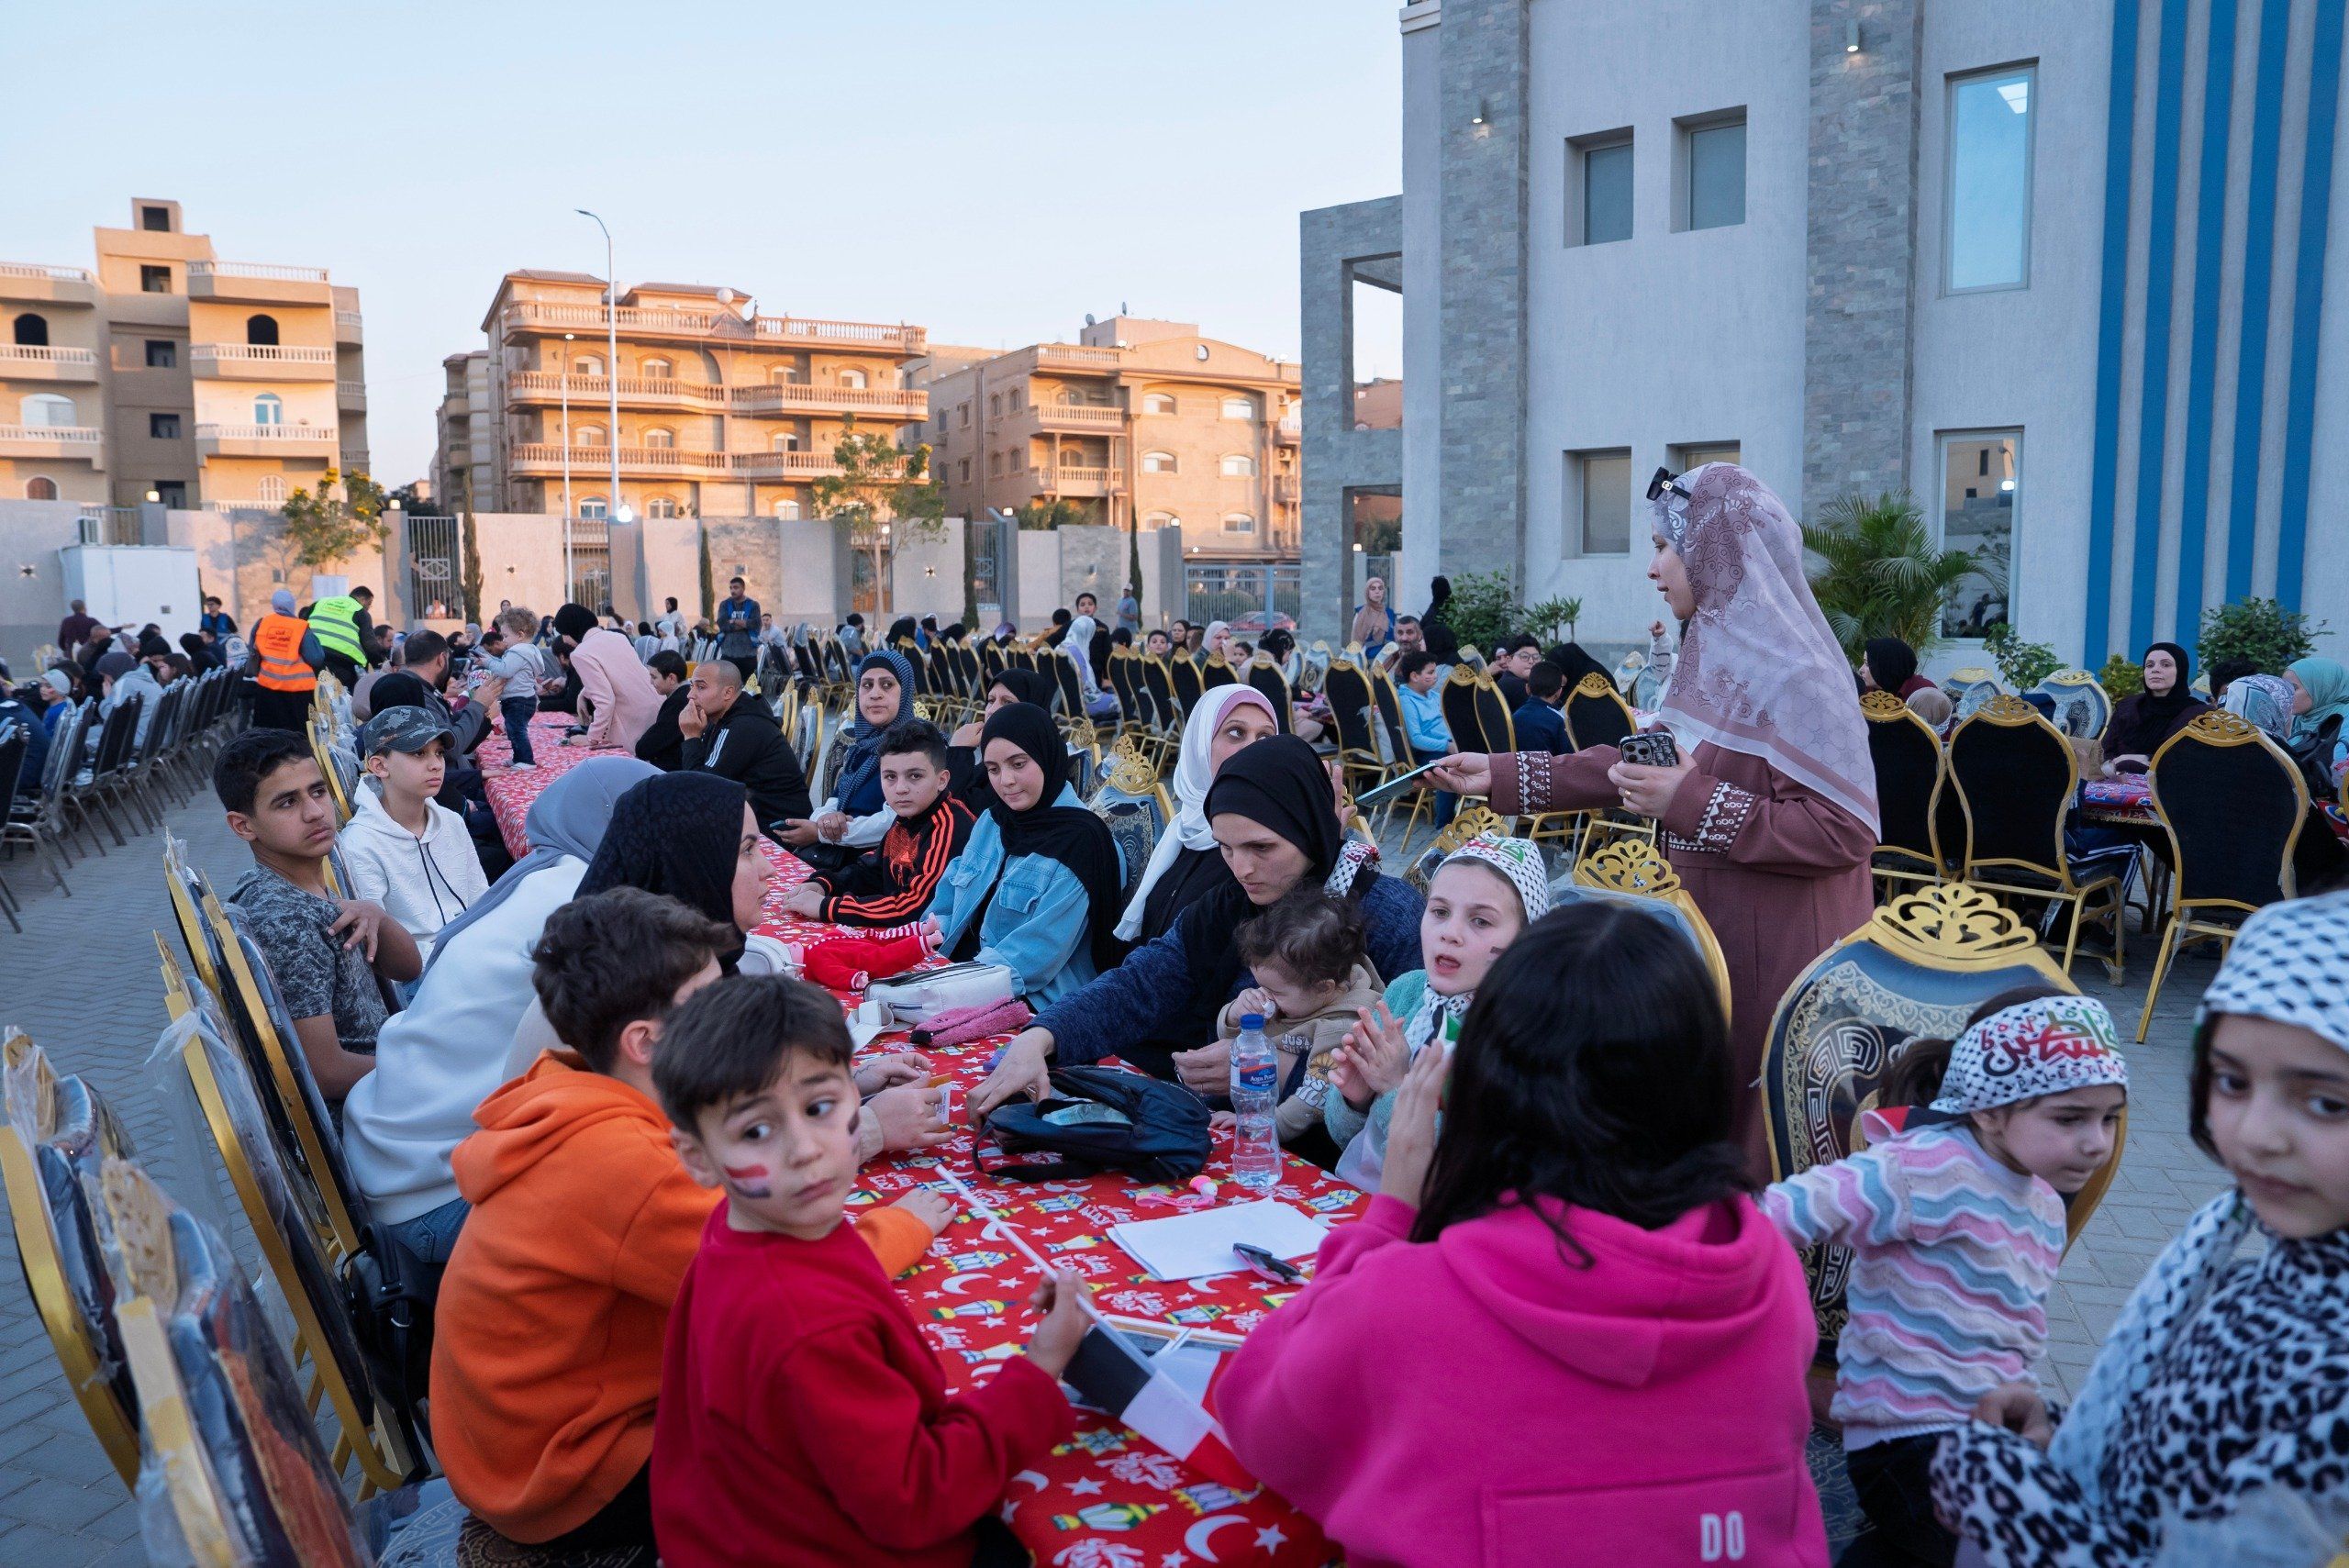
<point>663,744</point>
<point>736,738</point>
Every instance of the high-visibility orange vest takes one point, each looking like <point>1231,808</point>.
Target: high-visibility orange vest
<point>278,640</point>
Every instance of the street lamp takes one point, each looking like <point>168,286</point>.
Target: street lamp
<point>611,365</point>
<point>566,437</point>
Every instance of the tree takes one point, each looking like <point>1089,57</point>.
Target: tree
<point>708,575</point>
<point>1042,517</point>
<point>2261,630</point>
<point>880,489</point>
<point>343,517</point>
<point>1880,574</point>
<point>469,571</point>
<point>2024,664</point>
<point>415,505</point>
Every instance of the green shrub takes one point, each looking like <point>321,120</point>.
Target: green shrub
<point>2258,630</point>
<point>2024,664</point>
<point>2120,678</point>
<point>1484,611</point>
<point>1877,570</point>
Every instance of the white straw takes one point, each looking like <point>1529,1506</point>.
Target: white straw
<point>980,1207</point>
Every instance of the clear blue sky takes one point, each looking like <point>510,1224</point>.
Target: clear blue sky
<point>991,172</point>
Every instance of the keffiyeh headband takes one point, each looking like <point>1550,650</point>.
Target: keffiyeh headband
<point>2045,1046</point>
<point>1515,859</point>
<point>2290,962</point>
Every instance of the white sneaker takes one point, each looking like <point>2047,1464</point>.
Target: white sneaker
<point>518,767</point>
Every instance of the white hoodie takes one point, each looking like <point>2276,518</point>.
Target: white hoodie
<point>425,883</point>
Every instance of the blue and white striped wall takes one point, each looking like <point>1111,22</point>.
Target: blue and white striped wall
<point>2220,466</point>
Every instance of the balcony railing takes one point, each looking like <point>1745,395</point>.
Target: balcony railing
<point>778,397</point>
<point>256,270</point>
<point>36,354</point>
<point>540,313</point>
<point>347,321</point>
<point>1290,430</point>
<point>547,456</point>
<point>899,339</point>
<point>264,354</point>
<point>1085,416</point>
<point>351,393</point>
<point>86,441</point>
<point>1076,354</point>
<point>264,440</point>
<point>1285,488</point>
<point>592,391</point>
<point>51,274</point>
<point>1068,478</point>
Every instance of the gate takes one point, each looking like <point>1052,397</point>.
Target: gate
<point>587,555</point>
<point>433,592</point>
<point>1229,590</point>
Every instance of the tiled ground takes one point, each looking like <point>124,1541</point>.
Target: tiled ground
<point>82,981</point>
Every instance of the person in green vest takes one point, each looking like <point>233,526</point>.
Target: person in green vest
<point>347,633</point>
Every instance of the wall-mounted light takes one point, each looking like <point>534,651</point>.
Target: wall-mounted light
<point>1852,37</point>
<point>1484,112</point>
<point>154,496</point>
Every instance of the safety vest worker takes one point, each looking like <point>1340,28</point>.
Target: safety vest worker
<point>278,640</point>
<point>335,621</point>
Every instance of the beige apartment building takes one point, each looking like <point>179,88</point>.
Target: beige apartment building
<point>723,412</point>
<point>1139,421</point>
<point>170,373</point>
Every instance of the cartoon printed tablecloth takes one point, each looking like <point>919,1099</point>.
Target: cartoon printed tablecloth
<point>1109,1499</point>
<point>2123,798</point>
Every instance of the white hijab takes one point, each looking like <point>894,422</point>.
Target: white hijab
<point>1193,774</point>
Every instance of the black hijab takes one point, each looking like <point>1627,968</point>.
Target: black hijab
<point>575,621</point>
<point>970,785</point>
<point>677,834</point>
<point>1280,782</point>
<point>1892,662</point>
<point>1069,834</point>
<point>400,688</point>
<point>1573,663</point>
<point>1032,687</point>
<point>2142,722</point>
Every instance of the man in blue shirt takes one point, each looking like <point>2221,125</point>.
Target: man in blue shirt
<point>1541,719</point>
<point>738,629</point>
<point>215,620</point>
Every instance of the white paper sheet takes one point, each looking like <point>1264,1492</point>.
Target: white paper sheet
<point>1195,1245</point>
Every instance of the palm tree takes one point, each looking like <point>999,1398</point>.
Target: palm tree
<point>1877,570</point>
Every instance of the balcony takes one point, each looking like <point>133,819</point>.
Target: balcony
<point>1069,480</point>
<point>664,321</point>
<point>1286,489</point>
<point>593,391</point>
<point>258,283</point>
<point>1095,418</point>
<point>31,283</point>
<point>266,440</point>
<point>351,395</point>
<point>1290,430</point>
<point>892,404</point>
<point>23,362</point>
<point>346,326</point>
<point>877,337</point>
<point>1076,356</point>
<point>80,443</point>
<point>546,458</point>
<point>261,362</point>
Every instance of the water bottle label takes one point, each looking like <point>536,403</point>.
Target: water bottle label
<point>1259,1080</point>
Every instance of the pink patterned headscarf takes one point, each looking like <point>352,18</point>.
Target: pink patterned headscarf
<point>1759,671</point>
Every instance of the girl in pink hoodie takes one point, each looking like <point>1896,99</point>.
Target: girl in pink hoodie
<point>1562,1335</point>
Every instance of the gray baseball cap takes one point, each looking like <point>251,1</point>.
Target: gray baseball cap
<point>403,728</point>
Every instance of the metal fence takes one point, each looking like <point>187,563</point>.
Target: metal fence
<point>1226,591</point>
<point>434,590</point>
<point>587,547</point>
<point>111,524</point>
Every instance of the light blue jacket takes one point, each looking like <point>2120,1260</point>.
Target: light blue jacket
<point>1036,925</point>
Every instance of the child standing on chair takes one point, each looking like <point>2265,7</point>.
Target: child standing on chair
<point>512,658</point>
<point>1957,1227</point>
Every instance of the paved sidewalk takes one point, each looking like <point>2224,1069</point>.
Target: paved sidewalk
<point>83,981</point>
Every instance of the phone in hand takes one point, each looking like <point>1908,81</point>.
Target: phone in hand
<point>1650,748</point>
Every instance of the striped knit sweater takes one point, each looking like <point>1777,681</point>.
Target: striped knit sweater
<point>1953,1257</point>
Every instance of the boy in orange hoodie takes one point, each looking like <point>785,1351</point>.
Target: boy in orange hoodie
<point>546,1357</point>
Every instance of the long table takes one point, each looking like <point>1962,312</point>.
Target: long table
<point>1108,1498</point>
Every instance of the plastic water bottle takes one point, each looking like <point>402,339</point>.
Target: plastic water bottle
<point>1255,1086</point>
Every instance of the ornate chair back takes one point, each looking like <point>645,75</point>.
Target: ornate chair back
<point>1471,821</point>
<point>1183,674</point>
<point>1633,868</point>
<point>1266,677</point>
<point>2233,805</point>
<point>1351,704</point>
<point>1909,770</point>
<point>2082,705</point>
<point>1970,689</point>
<point>1068,685</point>
<point>1217,673</point>
<point>991,660</point>
<point>1493,720</point>
<point>1134,805</point>
<point>1457,699</point>
<point>1158,688</point>
<point>1125,680</point>
<point>1388,704</point>
<point>2015,776</point>
<point>1596,714</point>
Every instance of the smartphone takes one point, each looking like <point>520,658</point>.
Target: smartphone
<point>1650,748</point>
<point>1395,785</point>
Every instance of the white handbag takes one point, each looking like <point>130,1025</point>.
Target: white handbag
<point>920,996</point>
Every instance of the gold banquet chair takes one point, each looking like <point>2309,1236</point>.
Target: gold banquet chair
<point>1915,970</point>
<point>55,1134</point>
<point>1633,868</point>
<point>1471,821</point>
<point>1910,771</point>
<point>2233,805</point>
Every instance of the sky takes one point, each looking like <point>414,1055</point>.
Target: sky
<point>992,172</point>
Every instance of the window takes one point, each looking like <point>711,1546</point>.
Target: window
<point>1239,523</point>
<point>269,409</point>
<point>787,510</point>
<point>39,488</point>
<point>853,379</point>
<point>1697,454</point>
<point>965,410</point>
<point>1240,407</point>
<point>660,506</point>
<point>1981,486</point>
<point>1713,173</point>
<point>657,370</point>
<point>154,280</point>
<point>659,436</point>
<point>995,405</point>
<point>31,331</point>
<point>1158,462</point>
<point>962,471</point>
<point>1017,398</point>
<point>783,376</point>
<point>161,353</point>
<point>46,408</point>
<point>155,219</point>
<point>1600,485</point>
<point>273,489</point>
<point>1238,465</point>
<point>1605,166</point>
<point>588,436</point>
<point>1987,231</point>
<point>994,464</point>
<point>588,364</point>
<point>172,493</point>
<point>163,427</point>
<point>785,441</point>
<point>261,330</point>
<point>593,507</point>
<point>1158,403</point>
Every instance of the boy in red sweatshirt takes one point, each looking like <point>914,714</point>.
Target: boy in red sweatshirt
<point>892,883</point>
<point>803,1418</point>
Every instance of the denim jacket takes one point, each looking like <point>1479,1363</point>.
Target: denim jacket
<point>1036,925</point>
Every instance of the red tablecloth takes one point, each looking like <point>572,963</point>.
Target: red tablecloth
<point>510,791</point>
<point>1109,1498</point>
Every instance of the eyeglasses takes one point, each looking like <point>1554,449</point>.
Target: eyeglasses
<point>1666,480</point>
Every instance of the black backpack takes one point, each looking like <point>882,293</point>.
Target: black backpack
<point>2313,757</point>
<point>1103,1118</point>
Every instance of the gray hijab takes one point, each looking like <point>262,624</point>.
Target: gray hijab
<point>568,819</point>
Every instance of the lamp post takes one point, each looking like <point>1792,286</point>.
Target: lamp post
<point>611,369</point>
<point>566,427</point>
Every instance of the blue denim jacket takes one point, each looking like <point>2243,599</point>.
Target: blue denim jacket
<point>1035,926</point>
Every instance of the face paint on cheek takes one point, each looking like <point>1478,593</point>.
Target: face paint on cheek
<point>749,1180</point>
